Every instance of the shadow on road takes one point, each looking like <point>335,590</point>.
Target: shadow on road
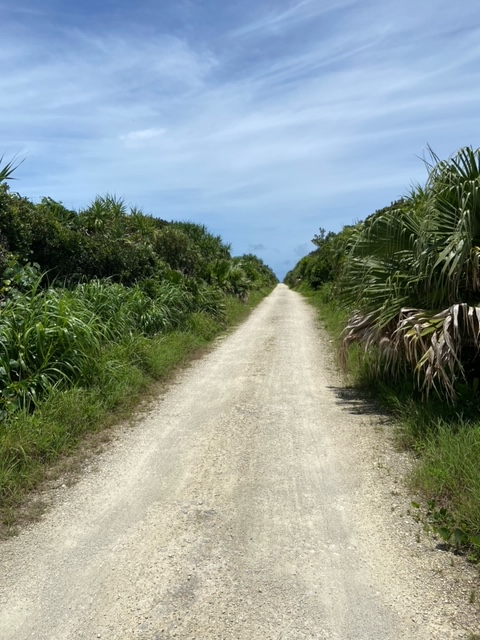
<point>354,402</point>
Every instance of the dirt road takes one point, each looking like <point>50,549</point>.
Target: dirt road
<point>247,505</point>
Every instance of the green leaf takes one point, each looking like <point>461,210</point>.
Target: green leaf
<point>444,533</point>
<point>460,537</point>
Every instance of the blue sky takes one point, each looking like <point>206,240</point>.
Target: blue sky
<point>263,119</point>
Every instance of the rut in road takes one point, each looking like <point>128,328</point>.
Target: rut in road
<point>238,508</point>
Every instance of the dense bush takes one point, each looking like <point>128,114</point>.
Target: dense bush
<point>324,263</point>
<point>107,240</point>
<point>98,276</point>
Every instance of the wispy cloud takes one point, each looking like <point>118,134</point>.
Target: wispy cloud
<point>9,8</point>
<point>283,17</point>
<point>142,135</point>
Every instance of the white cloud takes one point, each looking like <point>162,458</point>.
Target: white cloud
<point>142,135</point>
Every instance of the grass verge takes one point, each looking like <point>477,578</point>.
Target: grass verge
<point>444,439</point>
<point>125,373</point>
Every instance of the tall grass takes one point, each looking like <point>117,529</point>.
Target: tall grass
<point>48,340</point>
<point>448,471</point>
<point>130,310</point>
<point>52,339</point>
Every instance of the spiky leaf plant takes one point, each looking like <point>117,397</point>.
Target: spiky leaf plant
<point>412,274</point>
<point>7,169</point>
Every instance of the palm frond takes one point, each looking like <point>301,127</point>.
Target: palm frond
<point>406,264</point>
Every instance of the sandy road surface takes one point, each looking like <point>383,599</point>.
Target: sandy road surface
<point>245,505</point>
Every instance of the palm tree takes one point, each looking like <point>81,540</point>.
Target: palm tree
<point>413,276</point>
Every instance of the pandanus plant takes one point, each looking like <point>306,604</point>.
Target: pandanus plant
<point>413,276</point>
<point>7,169</point>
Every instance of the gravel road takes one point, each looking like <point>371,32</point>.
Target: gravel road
<point>255,500</point>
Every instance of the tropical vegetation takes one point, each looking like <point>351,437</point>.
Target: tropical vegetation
<point>95,305</point>
<point>406,282</point>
